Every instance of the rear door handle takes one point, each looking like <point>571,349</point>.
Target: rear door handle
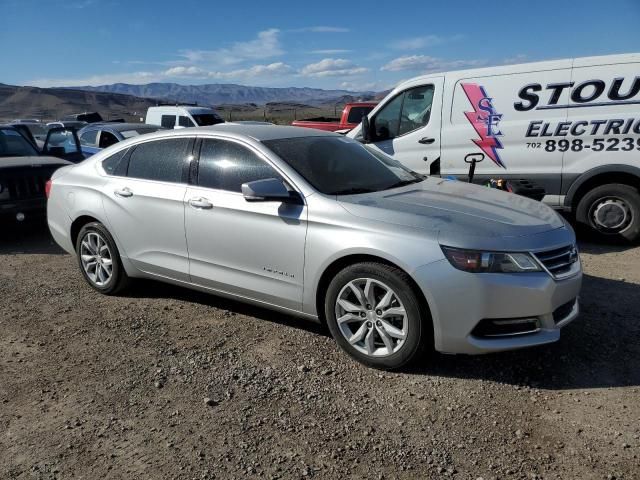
<point>426,140</point>
<point>200,202</point>
<point>124,192</point>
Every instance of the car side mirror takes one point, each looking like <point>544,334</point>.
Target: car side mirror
<point>63,143</point>
<point>268,190</point>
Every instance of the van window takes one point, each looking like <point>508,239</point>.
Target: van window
<point>168,121</point>
<point>185,121</point>
<point>227,165</point>
<point>204,119</point>
<point>408,111</point>
<point>161,160</point>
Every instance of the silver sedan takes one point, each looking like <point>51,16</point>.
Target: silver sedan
<point>317,225</point>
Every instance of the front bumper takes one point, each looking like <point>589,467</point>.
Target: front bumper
<point>23,210</point>
<point>459,301</point>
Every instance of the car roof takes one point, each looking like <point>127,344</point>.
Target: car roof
<point>261,132</point>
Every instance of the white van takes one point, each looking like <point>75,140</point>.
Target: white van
<point>182,116</point>
<point>570,126</point>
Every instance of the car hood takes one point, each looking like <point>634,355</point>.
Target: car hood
<point>454,208</point>
<point>33,161</point>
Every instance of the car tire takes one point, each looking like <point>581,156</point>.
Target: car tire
<point>612,211</point>
<point>374,314</point>
<point>99,259</point>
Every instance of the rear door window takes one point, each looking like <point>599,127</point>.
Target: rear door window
<point>111,164</point>
<point>168,121</point>
<point>88,139</point>
<point>227,165</point>
<point>160,160</point>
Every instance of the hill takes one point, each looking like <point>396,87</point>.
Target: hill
<point>54,103</point>
<point>223,93</point>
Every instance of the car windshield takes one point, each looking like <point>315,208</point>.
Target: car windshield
<point>13,144</point>
<point>341,166</point>
<point>138,131</point>
<point>204,119</point>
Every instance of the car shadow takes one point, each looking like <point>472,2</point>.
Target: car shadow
<point>600,349</point>
<point>32,238</point>
<point>154,289</point>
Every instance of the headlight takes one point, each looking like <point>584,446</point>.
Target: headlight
<point>490,262</point>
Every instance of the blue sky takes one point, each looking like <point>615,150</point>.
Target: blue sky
<point>353,45</point>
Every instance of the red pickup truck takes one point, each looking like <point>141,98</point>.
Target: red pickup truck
<point>351,117</point>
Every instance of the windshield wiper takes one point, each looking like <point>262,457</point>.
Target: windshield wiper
<point>403,183</point>
<point>352,191</point>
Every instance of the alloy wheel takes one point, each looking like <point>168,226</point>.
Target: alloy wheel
<point>371,317</point>
<point>96,258</point>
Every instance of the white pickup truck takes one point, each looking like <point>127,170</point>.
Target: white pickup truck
<point>570,126</point>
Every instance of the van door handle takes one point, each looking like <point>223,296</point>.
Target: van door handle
<point>426,140</point>
<point>124,192</point>
<point>201,203</point>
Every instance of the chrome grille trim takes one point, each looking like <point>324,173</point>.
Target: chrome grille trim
<point>563,262</point>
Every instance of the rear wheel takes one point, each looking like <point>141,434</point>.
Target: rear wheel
<point>374,315</point>
<point>99,259</point>
<point>612,210</point>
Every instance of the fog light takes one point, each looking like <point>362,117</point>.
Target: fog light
<point>20,216</point>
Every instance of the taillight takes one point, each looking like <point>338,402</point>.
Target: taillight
<point>47,188</point>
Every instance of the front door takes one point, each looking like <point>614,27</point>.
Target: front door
<point>408,126</point>
<point>144,204</point>
<point>251,249</point>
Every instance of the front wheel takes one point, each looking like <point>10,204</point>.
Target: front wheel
<point>99,259</point>
<point>612,210</point>
<point>373,313</point>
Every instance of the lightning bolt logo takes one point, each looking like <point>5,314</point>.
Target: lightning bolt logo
<point>484,119</point>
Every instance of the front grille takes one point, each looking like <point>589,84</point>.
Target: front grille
<point>560,261</point>
<point>563,311</point>
<point>25,185</point>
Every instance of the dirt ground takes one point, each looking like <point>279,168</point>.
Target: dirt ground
<point>168,383</point>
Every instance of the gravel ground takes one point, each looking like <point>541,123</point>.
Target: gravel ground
<point>168,383</point>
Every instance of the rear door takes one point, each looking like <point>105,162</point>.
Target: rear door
<point>251,249</point>
<point>408,126</point>
<point>143,201</point>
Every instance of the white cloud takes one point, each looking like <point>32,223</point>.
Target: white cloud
<point>321,29</point>
<point>360,87</point>
<point>335,51</point>
<point>271,70</point>
<point>254,72</point>
<point>265,45</point>
<point>426,64</point>
<point>330,67</point>
<point>519,58</point>
<point>416,43</point>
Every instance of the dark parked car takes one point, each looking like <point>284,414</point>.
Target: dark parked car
<point>96,136</point>
<point>25,171</point>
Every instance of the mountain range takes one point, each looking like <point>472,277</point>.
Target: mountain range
<point>227,93</point>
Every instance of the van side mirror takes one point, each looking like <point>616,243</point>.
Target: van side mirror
<point>63,143</point>
<point>268,190</point>
<point>366,130</point>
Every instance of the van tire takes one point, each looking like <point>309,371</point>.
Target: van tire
<point>612,211</point>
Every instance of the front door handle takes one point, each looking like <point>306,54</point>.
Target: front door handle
<point>124,192</point>
<point>426,140</point>
<point>200,202</point>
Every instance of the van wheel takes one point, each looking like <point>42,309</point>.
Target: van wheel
<point>612,210</point>
<point>99,259</point>
<point>374,315</point>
